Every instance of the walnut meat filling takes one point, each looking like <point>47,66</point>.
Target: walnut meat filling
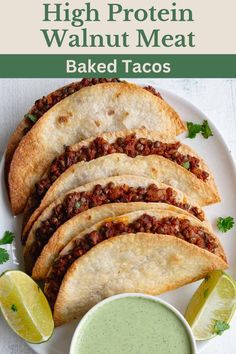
<point>130,145</point>
<point>172,226</point>
<point>78,202</point>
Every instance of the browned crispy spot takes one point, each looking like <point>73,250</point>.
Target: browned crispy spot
<point>63,119</point>
<point>173,259</point>
<point>111,112</point>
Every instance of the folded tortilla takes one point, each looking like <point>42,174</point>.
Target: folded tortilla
<point>88,112</point>
<point>131,143</point>
<point>40,107</point>
<point>65,233</point>
<point>99,262</point>
<point>153,166</point>
<point>117,189</point>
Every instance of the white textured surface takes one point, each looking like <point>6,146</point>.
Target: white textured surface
<point>217,98</point>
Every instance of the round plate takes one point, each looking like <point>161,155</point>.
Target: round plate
<point>216,154</point>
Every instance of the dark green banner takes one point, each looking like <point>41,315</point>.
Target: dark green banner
<point>133,66</point>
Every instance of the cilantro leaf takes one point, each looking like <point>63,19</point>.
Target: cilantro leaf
<point>14,308</point>
<point>77,205</point>
<point>31,117</point>
<point>193,129</point>
<point>4,256</point>
<point>206,130</point>
<point>7,238</point>
<point>225,224</point>
<point>186,165</point>
<point>220,327</point>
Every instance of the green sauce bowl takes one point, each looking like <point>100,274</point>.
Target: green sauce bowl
<point>133,324</point>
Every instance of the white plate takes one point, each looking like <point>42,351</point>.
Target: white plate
<point>216,154</point>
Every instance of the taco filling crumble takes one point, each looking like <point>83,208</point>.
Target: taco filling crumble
<point>129,145</point>
<point>78,202</point>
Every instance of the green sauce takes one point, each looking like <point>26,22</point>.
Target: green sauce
<point>133,325</point>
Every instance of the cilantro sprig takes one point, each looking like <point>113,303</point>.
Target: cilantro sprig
<point>206,130</point>
<point>225,224</point>
<point>220,327</point>
<point>186,165</point>
<point>31,117</point>
<point>194,129</point>
<point>4,256</point>
<point>77,205</point>
<point>7,239</point>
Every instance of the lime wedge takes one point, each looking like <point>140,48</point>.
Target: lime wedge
<point>25,307</point>
<point>212,306</point>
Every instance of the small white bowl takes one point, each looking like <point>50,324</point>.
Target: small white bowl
<point>109,299</point>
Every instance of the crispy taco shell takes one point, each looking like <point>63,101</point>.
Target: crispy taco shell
<point>154,192</point>
<point>86,219</point>
<point>131,143</point>
<point>88,112</point>
<point>156,167</point>
<point>40,107</point>
<point>167,221</point>
<point>145,263</point>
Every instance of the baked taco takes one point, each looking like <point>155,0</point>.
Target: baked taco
<point>40,107</point>
<point>88,112</point>
<point>71,228</point>
<point>120,189</point>
<point>160,158</point>
<point>149,251</point>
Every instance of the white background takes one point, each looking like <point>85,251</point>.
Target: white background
<point>217,98</point>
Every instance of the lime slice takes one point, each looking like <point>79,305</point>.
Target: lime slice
<point>212,306</point>
<point>25,307</point>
